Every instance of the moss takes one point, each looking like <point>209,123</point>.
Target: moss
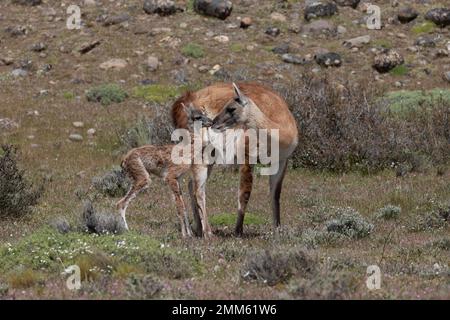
<point>236,47</point>
<point>384,43</point>
<point>68,95</point>
<point>193,50</point>
<point>107,94</point>
<point>157,93</point>
<point>426,27</point>
<point>229,219</point>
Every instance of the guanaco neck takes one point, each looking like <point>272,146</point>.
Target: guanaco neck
<point>258,120</point>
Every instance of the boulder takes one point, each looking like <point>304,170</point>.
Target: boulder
<point>440,16</point>
<point>328,59</point>
<point>357,42</point>
<point>30,3</point>
<point>407,14</point>
<point>320,9</point>
<point>114,64</point>
<point>214,8</point>
<point>387,60</point>
<point>160,7</point>
<point>348,3</point>
<point>319,26</point>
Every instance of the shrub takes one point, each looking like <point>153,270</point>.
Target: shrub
<point>400,70</point>
<point>389,212</point>
<point>193,50</point>
<point>61,225</point>
<point>17,195</point>
<point>101,222</point>
<point>114,183</point>
<point>143,287</point>
<point>22,279</point>
<point>425,27</point>
<point>435,219</point>
<point>276,266</point>
<point>347,127</point>
<point>350,223</point>
<point>107,94</point>
<point>442,244</point>
<point>156,130</point>
<point>312,238</point>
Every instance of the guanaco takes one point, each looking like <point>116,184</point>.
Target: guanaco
<point>248,105</point>
<point>140,163</point>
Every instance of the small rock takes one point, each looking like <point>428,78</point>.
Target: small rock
<point>319,9</point>
<point>215,69</point>
<point>75,137</point>
<point>281,49</point>
<point>319,26</point>
<point>273,31</point>
<point>78,124</point>
<point>222,39</point>
<point>88,46</point>
<point>19,73</point>
<point>387,60</point>
<point>8,124</point>
<point>426,41</point>
<point>341,29</point>
<point>30,3</point>
<point>246,22</point>
<point>117,19</point>
<point>275,16</point>
<point>160,7</point>
<point>214,8</point>
<point>447,76</point>
<point>152,63</point>
<point>115,64</point>
<point>348,3</point>
<point>294,59</point>
<point>441,53</point>
<point>91,132</point>
<point>6,61</point>
<point>329,59</point>
<point>203,69</point>
<point>407,14</point>
<point>440,16</point>
<point>357,42</point>
<point>38,47</point>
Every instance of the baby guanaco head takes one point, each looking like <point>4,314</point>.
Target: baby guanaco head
<point>196,115</point>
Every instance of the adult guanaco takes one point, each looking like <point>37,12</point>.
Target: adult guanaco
<point>140,163</point>
<point>247,105</point>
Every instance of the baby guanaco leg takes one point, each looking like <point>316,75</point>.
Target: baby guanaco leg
<point>174,185</point>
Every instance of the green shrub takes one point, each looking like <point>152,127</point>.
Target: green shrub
<point>113,183</point>
<point>157,93</point>
<point>436,219</point>
<point>101,222</point>
<point>400,70</point>
<point>389,212</point>
<point>426,27</point>
<point>107,94</point>
<point>17,194</point>
<point>193,50</point>
<point>143,287</point>
<point>350,223</point>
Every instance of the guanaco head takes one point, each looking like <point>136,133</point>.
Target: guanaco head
<point>194,115</point>
<point>235,112</point>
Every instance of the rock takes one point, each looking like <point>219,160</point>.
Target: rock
<point>357,42</point>
<point>160,7</point>
<point>89,3</point>
<point>440,16</point>
<point>75,137</point>
<point>329,59</point>
<point>447,76</point>
<point>8,124</point>
<point>215,69</point>
<point>348,3</point>
<point>387,60</point>
<point>19,73</point>
<point>117,19</point>
<point>88,46</point>
<point>91,132</point>
<point>407,14</point>
<point>275,16</point>
<point>78,124</point>
<point>30,3</point>
<point>214,8</point>
<point>6,61</point>
<point>152,63</point>
<point>426,41</point>
<point>294,59</point>
<point>38,47</point>
<point>113,64</point>
<point>222,39</point>
<point>319,26</point>
<point>273,31</point>
<point>281,49</point>
<point>320,9</point>
<point>17,31</point>
<point>246,22</point>
<point>441,53</point>
<point>341,29</point>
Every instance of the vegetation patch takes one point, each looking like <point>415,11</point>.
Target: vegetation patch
<point>107,94</point>
<point>402,101</point>
<point>229,219</point>
<point>193,50</point>
<point>350,223</point>
<point>113,183</point>
<point>49,251</point>
<point>389,212</point>
<point>276,266</point>
<point>400,70</point>
<point>17,194</point>
<point>157,93</point>
<point>426,27</point>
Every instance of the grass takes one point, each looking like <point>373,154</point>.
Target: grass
<point>400,70</point>
<point>425,27</point>
<point>229,219</point>
<point>107,94</point>
<point>157,93</point>
<point>404,100</point>
<point>193,50</point>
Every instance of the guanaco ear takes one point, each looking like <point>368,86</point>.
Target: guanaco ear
<point>239,95</point>
<point>188,109</point>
